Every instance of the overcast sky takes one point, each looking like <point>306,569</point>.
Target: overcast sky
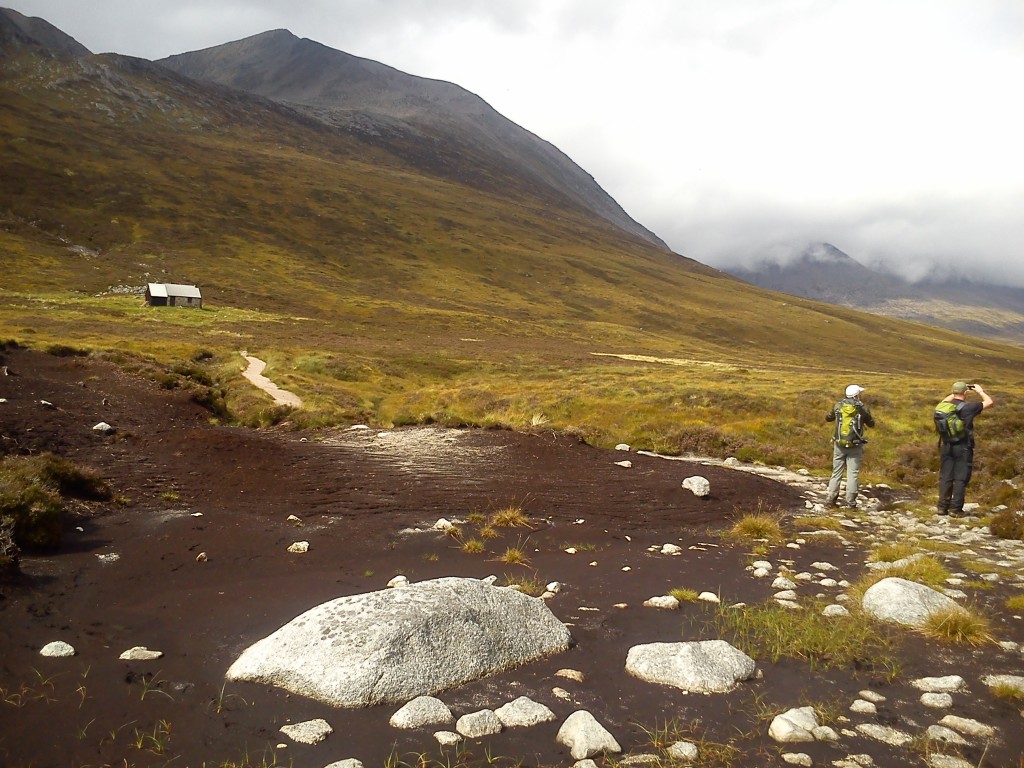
<point>893,129</point>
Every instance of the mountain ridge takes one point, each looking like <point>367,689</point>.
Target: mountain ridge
<point>361,95</point>
<point>822,272</point>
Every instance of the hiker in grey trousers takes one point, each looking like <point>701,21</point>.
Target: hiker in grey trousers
<point>848,444</point>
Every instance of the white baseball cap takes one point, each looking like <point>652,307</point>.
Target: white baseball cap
<point>853,390</point>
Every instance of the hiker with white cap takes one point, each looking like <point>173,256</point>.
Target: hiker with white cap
<point>851,417</point>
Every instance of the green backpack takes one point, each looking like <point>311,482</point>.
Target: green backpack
<point>948,424</point>
<point>849,430</point>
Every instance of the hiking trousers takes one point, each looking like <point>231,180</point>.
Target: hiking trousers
<point>956,465</point>
<point>845,460</point>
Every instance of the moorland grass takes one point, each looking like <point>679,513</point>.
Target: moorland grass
<point>771,631</point>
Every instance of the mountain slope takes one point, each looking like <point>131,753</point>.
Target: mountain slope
<point>438,126</point>
<point>824,273</point>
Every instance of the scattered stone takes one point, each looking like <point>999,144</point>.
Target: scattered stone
<point>202,557</point>
<point>294,520</point>
<point>570,674</point>
<point>627,463</point>
<point>350,762</point>
<point>308,732</point>
<point>104,429</point>
<point>709,597</point>
<point>442,525</point>
<point>400,581</point>
<point>945,735</point>
<point>299,547</point>
<point>873,696</point>
<point>862,707</point>
<point>523,713</point>
<point>109,557</point>
<point>622,447</point>
<point>835,611</point>
<point>477,724</point>
<point>825,734</point>
<point>947,684</point>
<point>554,587</point>
<point>781,582</point>
<point>140,653</point>
<point>57,649</point>
<point>937,700</point>
<point>641,759</point>
<point>1016,682</point>
<point>664,602</point>
<point>697,485</point>
<point>447,738</point>
<point>683,751</point>
<point>423,710</point>
<point>561,693</point>
<point>883,733</point>
<point>797,758</point>
<point>905,602</point>
<point>822,566</point>
<point>671,549</point>
<point>794,726</point>
<point>968,727</point>
<point>585,737</point>
<point>937,760</point>
<point>709,666</point>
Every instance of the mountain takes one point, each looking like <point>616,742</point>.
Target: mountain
<point>17,30</point>
<point>439,127</point>
<point>824,273</point>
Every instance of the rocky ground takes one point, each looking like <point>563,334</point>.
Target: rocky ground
<point>191,559</point>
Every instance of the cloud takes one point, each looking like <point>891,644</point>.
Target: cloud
<point>888,129</point>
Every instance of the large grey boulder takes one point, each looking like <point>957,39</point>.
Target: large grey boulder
<point>905,602</point>
<point>707,666</point>
<point>396,644</point>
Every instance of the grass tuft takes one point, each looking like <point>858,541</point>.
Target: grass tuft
<point>959,626</point>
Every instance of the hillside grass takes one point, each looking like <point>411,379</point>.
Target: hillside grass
<point>385,294</point>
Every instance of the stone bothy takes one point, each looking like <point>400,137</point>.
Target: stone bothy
<point>173,295</point>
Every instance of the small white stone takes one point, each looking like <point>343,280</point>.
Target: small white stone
<point>561,693</point>
<point>622,447</point>
<point>447,738</point>
<point>834,611</point>
<point>862,707</point>
<point>554,587</point>
<point>760,573</point>
<point>671,549</point>
<point>570,550</point>
<point>294,520</point>
<point>308,732</point>
<point>761,564</point>
<point>202,557</point>
<point>797,758</point>
<point>709,597</point>
<point>57,649</point>
<point>627,463</point>
<point>299,547</point>
<point>873,696</point>
<point>399,581</point>
<point>937,700</point>
<point>570,674</point>
<point>664,602</point>
<point>683,751</point>
<point>140,653</point>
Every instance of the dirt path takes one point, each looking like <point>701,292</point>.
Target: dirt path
<point>254,373</point>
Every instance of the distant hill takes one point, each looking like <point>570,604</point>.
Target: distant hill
<point>439,127</point>
<point>824,273</point>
